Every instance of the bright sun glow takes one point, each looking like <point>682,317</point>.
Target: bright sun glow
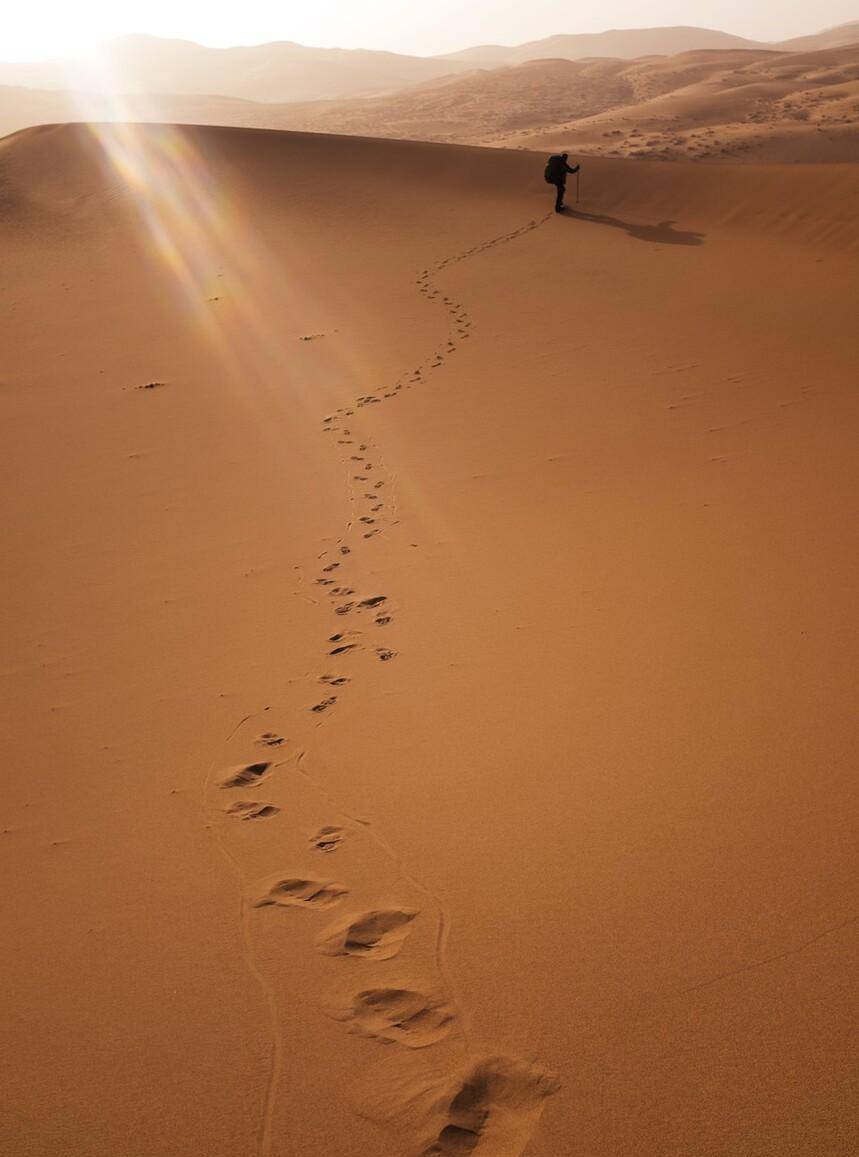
<point>231,287</point>
<point>56,28</point>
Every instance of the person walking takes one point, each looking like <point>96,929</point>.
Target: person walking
<point>556,174</point>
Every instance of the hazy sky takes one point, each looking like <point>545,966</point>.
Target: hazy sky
<point>57,27</point>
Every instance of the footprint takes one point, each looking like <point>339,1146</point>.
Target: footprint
<point>406,1016</point>
<point>331,566</point>
<point>245,774</point>
<point>376,935</point>
<point>327,839</point>
<point>385,655</point>
<point>297,892</point>
<point>270,739</point>
<point>344,610</point>
<point>343,649</point>
<point>490,1107</point>
<point>345,550</point>
<point>373,601</point>
<point>498,1101</point>
<point>383,620</point>
<point>333,680</point>
<point>250,810</point>
<point>324,705</point>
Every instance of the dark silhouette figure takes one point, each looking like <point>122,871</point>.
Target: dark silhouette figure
<point>556,174</point>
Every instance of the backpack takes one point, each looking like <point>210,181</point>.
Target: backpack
<point>556,167</point>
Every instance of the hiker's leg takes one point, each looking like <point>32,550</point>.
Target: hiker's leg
<point>559,199</point>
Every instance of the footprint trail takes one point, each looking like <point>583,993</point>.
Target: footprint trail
<point>387,928</point>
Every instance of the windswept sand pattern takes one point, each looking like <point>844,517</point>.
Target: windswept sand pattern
<point>487,1106</point>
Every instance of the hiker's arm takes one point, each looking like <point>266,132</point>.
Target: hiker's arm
<point>575,169</point>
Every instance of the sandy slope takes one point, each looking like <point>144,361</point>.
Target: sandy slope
<point>575,834</point>
<point>724,106</point>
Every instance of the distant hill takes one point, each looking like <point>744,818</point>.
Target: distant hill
<point>837,37</point>
<point>284,72</point>
<point>706,104</point>
<point>267,72</point>
<point>621,44</point>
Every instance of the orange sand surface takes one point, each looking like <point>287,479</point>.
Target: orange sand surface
<point>428,704</point>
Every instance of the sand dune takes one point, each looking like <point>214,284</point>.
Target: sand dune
<point>429,650</point>
<point>774,107</point>
<point>769,107</point>
<point>704,105</point>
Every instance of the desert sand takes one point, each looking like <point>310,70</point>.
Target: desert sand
<point>721,105</point>
<point>428,644</point>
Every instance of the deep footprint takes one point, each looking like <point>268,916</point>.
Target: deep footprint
<point>490,1107</point>
<point>250,810</point>
<point>246,774</point>
<point>376,935</point>
<point>404,1016</point>
<point>270,739</point>
<point>494,1109</point>
<point>327,839</point>
<point>298,892</point>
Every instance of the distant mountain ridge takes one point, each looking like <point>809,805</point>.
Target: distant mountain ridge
<point>284,72</point>
<point>280,71</point>
<point>838,37</point>
<point>619,44</point>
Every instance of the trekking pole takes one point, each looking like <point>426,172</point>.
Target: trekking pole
<point>578,183</point>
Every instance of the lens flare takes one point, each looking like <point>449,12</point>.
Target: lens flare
<point>193,221</point>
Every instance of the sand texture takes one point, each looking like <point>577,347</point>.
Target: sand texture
<point>428,648</point>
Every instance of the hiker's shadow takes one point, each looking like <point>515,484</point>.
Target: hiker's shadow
<point>662,234</point>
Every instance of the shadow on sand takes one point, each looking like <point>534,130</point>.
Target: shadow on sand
<point>662,234</point>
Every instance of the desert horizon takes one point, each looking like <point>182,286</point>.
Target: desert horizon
<point>661,94</point>
<point>428,605</point>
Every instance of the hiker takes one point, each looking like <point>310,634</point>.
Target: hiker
<point>556,174</point>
